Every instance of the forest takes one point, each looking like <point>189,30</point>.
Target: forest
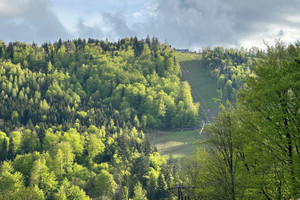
<point>73,113</point>
<point>135,83</point>
<point>73,118</point>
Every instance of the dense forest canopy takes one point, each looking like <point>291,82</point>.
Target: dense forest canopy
<point>133,82</point>
<point>71,115</point>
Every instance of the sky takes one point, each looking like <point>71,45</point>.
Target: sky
<point>189,24</point>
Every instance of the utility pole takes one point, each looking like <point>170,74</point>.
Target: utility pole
<point>178,191</point>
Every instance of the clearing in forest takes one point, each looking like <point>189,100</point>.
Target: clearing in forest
<point>180,144</point>
<point>202,85</point>
<point>177,144</point>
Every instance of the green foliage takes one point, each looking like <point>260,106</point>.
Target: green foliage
<point>68,191</point>
<point>105,184</point>
<point>72,112</point>
<point>92,81</point>
<point>229,67</point>
<point>197,174</point>
<point>269,109</point>
<point>161,191</point>
<point>4,148</point>
<point>10,181</point>
<point>226,162</point>
<point>63,158</point>
<point>42,178</point>
<point>253,151</point>
<point>219,168</point>
<point>139,193</point>
<point>98,167</point>
<point>94,146</point>
<point>30,193</point>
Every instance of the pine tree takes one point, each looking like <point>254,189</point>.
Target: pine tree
<point>161,191</point>
<point>4,152</point>
<point>11,152</point>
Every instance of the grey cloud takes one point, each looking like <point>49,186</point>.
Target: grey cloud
<point>111,26</point>
<point>85,31</point>
<point>191,23</point>
<point>253,16</point>
<point>196,23</point>
<point>118,25</point>
<point>12,8</point>
<point>30,21</point>
<point>184,23</point>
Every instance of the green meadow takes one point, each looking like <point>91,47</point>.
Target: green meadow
<point>177,144</point>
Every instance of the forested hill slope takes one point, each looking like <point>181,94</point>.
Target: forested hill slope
<point>71,114</point>
<point>137,82</point>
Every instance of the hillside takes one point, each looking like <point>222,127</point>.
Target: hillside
<point>199,70</point>
<point>79,79</point>
<point>72,115</point>
<point>203,87</point>
<point>180,144</point>
<point>216,74</point>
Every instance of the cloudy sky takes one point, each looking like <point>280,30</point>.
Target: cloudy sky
<point>182,23</point>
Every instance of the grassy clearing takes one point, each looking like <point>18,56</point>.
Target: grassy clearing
<point>203,87</point>
<point>180,144</point>
<point>187,56</point>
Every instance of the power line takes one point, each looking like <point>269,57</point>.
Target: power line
<point>178,191</point>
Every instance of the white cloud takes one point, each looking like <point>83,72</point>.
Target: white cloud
<point>137,14</point>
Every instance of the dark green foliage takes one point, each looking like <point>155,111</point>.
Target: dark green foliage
<point>4,152</point>
<point>161,191</point>
<point>140,167</point>
<point>11,153</point>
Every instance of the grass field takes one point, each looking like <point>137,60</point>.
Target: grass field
<point>203,87</point>
<point>180,144</point>
<point>187,56</point>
